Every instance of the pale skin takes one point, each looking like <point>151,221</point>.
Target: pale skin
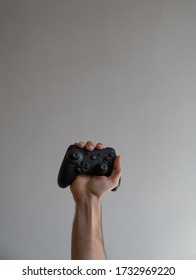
<point>88,191</point>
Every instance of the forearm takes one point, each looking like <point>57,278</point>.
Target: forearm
<point>87,235</point>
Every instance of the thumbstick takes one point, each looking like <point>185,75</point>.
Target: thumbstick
<point>74,156</point>
<point>102,168</point>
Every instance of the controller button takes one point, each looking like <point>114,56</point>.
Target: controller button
<point>93,157</point>
<point>85,166</point>
<point>106,159</point>
<point>102,168</point>
<point>112,155</point>
<point>75,155</point>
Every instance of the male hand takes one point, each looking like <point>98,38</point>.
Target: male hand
<point>88,186</point>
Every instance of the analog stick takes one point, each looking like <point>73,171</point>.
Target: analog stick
<point>102,168</point>
<point>74,156</point>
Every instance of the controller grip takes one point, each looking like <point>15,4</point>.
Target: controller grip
<point>67,175</point>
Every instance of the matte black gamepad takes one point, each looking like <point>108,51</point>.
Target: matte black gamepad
<point>81,161</point>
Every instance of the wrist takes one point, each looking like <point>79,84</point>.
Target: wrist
<point>88,200</point>
<point>88,211</point>
<point>84,198</point>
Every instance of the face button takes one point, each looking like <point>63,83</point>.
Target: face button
<point>112,155</point>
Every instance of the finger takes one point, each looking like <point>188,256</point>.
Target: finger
<point>80,144</point>
<point>89,146</point>
<point>117,171</point>
<point>99,146</point>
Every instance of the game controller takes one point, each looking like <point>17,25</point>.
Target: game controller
<point>79,161</point>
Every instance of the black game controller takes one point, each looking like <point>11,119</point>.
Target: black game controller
<point>81,161</point>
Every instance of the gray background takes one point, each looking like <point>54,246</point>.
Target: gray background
<point>121,72</point>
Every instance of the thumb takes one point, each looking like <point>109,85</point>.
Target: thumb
<point>117,171</point>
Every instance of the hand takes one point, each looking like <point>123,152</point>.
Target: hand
<point>88,186</point>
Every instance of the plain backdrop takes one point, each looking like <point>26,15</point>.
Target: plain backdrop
<point>120,72</point>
